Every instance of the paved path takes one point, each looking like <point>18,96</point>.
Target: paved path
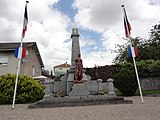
<point>150,110</point>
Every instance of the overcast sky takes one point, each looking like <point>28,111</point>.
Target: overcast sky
<point>100,24</point>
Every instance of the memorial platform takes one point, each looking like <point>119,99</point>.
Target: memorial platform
<point>68,101</point>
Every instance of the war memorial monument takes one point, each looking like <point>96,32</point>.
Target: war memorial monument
<point>75,88</point>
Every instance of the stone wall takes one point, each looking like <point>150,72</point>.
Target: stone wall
<point>59,87</point>
<point>92,87</point>
<point>152,83</point>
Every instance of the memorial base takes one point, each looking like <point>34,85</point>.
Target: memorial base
<point>78,89</point>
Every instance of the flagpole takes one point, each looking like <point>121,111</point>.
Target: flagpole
<point>139,86</point>
<point>18,68</point>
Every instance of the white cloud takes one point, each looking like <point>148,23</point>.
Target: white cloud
<point>49,27</point>
<point>105,14</point>
<point>87,42</point>
<point>106,17</point>
<point>99,58</point>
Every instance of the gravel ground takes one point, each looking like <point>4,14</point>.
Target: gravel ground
<point>149,110</point>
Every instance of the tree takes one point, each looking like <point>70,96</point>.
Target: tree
<point>155,34</point>
<point>123,50</point>
<point>147,49</point>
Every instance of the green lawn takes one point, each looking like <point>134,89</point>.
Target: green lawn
<point>151,92</point>
<point>144,92</point>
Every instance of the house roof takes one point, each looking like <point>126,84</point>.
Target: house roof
<point>11,46</point>
<point>65,65</point>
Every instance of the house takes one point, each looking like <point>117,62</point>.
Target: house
<point>31,64</point>
<point>61,69</point>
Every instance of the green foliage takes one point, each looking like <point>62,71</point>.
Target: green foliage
<point>125,80</point>
<point>101,72</point>
<point>154,68</point>
<point>143,68</point>
<point>155,34</point>
<point>148,60</point>
<point>28,90</point>
<point>147,49</point>
<point>122,51</point>
<point>148,68</point>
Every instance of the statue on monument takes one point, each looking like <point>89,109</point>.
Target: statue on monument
<point>78,73</point>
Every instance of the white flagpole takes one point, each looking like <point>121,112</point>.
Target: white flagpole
<point>18,68</point>
<point>139,86</point>
<point>18,71</point>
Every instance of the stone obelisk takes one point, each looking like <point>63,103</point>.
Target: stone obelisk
<point>74,89</point>
<point>75,52</point>
<point>75,46</point>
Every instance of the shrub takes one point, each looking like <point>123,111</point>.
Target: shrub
<point>154,68</point>
<point>143,68</point>
<point>101,72</point>
<point>125,80</point>
<point>28,90</point>
<point>149,68</point>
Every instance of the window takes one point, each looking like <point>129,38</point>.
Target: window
<point>33,70</point>
<point>3,60</point>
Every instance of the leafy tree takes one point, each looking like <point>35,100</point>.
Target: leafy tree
<point>155,34</point>
<point>123,50</point>
<point>147,49</point>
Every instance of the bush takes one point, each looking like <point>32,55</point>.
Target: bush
<point>149,68</point>
<point>143,68</point>
<point>101,72</point>
<point>125,80</point>
<point>146,68</point>
<point>154,68</point>
<point>28,90</point>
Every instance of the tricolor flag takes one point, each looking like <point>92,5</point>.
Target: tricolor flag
<point>25,22</point>
<point>18,54</point>
<point>132,51</point>
<point>127,25</point>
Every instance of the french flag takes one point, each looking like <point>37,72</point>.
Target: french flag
<point>25,22</point>
<point>18,54</point>
<point>132,51</point>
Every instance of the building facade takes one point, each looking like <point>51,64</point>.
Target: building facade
<point>31,64</point>
<point>61,69</point>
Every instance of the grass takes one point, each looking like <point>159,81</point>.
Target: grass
<point>149,92</point>
<point>144,92</point>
